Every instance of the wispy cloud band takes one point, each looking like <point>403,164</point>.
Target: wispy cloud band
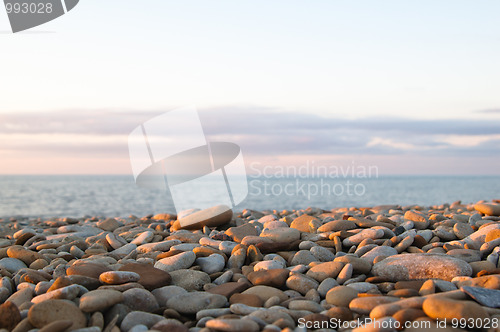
<point>259,131</point>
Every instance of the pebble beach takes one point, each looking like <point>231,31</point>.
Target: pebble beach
<point>381,268</point>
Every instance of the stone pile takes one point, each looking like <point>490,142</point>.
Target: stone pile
<point>255,271</point>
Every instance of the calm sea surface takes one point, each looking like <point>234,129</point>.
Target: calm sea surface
<point>76,196</point>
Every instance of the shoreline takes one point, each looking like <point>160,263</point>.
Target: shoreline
<point>254,270</point>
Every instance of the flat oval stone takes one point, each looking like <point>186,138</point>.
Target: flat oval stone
<point>49,311</point>
<point>157,246</point>
<point>238,233</point>
<point>484,296</point>
<point>140,300</point>
<point>193,302</point>
<point>143,238</point>
<point>23,254</point>
<point>359,265</point>
<point>125,250</point>
<point>108,224</point>
<point>9,316</point>
<point>87,269</point>
<point>64,293</point>
<point>281,234</point>
<point>177,262</point>
<point>303,257</point>
<point>118,277</point>
<point>251,300</point>
<point>305,305</point>
<point>245,325</point>
<point>363,305</point>
<point>269,265</point>
<point>467,255</point>
<point>140,317</point>
<point>488,209</point>
<point>421,266</point>
<point>325,270</point>
<point>170,325</point>
<point>270,315</point>
<point>274,278</point>
<point>266,292</point>
<point>462,230</point>
<point>211,264</point>
<point>165,293</point>
<point>57,326</point>
<point>362,287</point>
<point>322,254</point>
<point>87,282</point>
<point>229,288</point>
<point>479,236</point>
<point>337,225</point>
<point>368,233</point>
<point>301,283</point>
<point>305,223</point>
<point>21,296</point>
<point>379,251</point>
<point>211,217</point>
<point>12,264</point>
<point>190,280</point>
<point>150,277</point>
<point>440,307</point>
<point>326,285</point>
<point>100,299</point>
<point>341,296</point>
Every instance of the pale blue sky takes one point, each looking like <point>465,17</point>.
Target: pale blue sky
<point>350,60</point>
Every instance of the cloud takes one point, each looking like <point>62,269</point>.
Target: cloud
<point>259,131</point>
<point>263,132</point>
<point>73,122</point>
<point>490,111</point>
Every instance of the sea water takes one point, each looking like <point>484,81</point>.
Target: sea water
<point>110,195</point>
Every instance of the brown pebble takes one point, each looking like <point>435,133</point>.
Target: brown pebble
<point>274,278</point>
<point>171,313</point>
<point>21,253</point>
<point>34,277</point>
<point>408,315</point>
<point>169,326</point>
<point>254,254</point>
<point>57,326</point>
<point>486,272</point>
<point>23,238</point>
<point>9,315</point>
<point>97,319</point>
<point>170,253</point>
<point>87,282</point>
<point>230,288</point>
<point>440,307</point>
<point>379,258</point>
<point>207,251</point>
<point>48,311</point>
<point>248,299</point>
<point>60,283</point>
<point>341,296</point>
<point>92,270</point>
<point>409,292</point>
<point>377,279</point>
<point>316,319</point>
<point>413,284</point>
<point>340,313</point>
<point>419,241</point>
<point>151,277</point>
<point>272,247</point>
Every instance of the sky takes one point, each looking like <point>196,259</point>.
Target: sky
<point>408,86</point>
